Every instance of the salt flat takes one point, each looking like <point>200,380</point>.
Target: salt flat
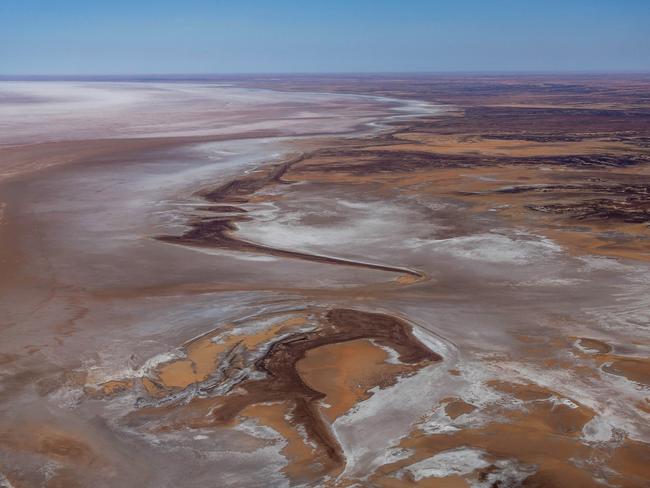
<point>286,282</point>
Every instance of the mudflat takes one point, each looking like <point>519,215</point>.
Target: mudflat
<point>326,281</point>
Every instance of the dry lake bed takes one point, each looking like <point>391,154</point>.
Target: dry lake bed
<point>340,281</point>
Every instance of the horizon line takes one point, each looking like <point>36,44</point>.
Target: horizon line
<point>207,75</point>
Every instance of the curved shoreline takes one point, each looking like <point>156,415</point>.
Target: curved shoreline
<point>20,158</point>
<point>220,232</point>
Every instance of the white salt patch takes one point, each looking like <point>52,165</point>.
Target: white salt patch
<point>508,474</point>
<point>496,248</point>
<point>152,364</point>
<point>472,389</point>
<point>67,397</point>
<point>493,248</point>
<point>49,469</point>
<point>448,463</point>
<point>597,430</point>
<point>598,263</point>
<point>242,256</point>
<point>258,430</point>
<point>379,422</point>
<point>587,350</point>
<point>395,454</point>
<point>304,227</point>
<point>255,325</point>
<point>101,374</point>
<point>62,110</point>
<point>433,342</point>
<point>552,282</point>
<point>371,222</point>
<point>465,461</point>
<point>393,355</point>
<point>613,400</point>
<point>440,423</point>
<point>629,310</point>
<point>555,400</point>
<point>4,482</point>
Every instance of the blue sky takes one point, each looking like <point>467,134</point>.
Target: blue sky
<point>202,36</point>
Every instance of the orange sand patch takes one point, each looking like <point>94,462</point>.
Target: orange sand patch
<point>302,455</point>
<point>634,369</point>
<point>153,389</point>
<point>528,392</point>
<point>201,361</point>
<point>633,458</point>
<point>456,408</point>
<point>594,345</point>
<point>110,388</point>
<point>580,243</point>
<point>407,279</point>
<point>472,144</point>
<point>345,372</point>
<point>202,355</point>
<point>544,433</point>
<point>529,438</point>
<point>446,482</point>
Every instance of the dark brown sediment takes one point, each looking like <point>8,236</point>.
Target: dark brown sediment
<point>220,232</point>
<point>283,382</point>
<point>217,233</point>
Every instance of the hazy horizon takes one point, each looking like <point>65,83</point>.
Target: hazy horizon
<point>199,37</point>
<point>180,76</point>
